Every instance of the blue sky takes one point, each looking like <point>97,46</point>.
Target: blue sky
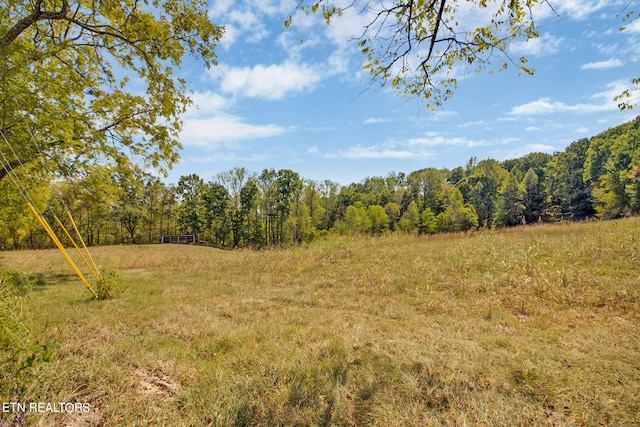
<point>298,98</point>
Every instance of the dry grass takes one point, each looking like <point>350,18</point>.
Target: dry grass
<point>529,326</point>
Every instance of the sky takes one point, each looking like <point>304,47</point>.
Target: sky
<point>298,98</point>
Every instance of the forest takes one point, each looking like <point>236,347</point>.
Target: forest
<point>593,177</point>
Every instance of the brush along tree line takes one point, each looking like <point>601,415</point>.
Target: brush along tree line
<point>599,176</point>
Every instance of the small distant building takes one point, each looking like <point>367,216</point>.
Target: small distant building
<point>186,239</point>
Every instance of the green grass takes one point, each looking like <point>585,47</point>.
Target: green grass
<point>527,326</point>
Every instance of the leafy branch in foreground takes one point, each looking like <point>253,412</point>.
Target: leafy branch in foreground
<point>626,100</point>
<point>419,47</point>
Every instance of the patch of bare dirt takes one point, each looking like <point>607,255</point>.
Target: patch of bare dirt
<point>156,384</point>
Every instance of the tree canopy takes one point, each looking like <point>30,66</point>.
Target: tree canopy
<point>86,83</point>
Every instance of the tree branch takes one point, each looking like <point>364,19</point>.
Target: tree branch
<point>36,15</point>
<point>435,30</point>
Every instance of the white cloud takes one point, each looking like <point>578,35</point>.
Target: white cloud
<point>387,151</point>
<point>295,45</point>
<point>601,65</point>
<point>576,10</point>
<point>220,8</point>
<point>430,140</point>
<point>269,82</point>
<point>230,36</point>
<point>438,116</point>
<point>207,103</point>
<point>212,132</point>
<point>547,106</point>
<point>249,24</point>
<point>440,140</point>
<point>634,27</point>
<point>375,120</point>
<point>612,90</point>
<point>541,106</point>
<point>473,123</point>
<point>343,34</point>
<point>546,44</point>
<point>608,49</point>
<point>247,21</point>
<point>413,148</point>
<point>274,8</point>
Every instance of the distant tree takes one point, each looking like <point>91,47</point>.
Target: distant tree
<point>532,196</point>
<point>397,185</point>
<point>410,220</point>
<point>249,200</point>
<point>611,160</point>
<point>312,197</point>
<point>633,188</point>
<point>191,217</point>
<point>130,207</point>
<point>151,201</point>
<point>216,206</point>
<point>595,162</point>
<point>329,191</point>
<point>566,188</point>
<point>426,184</point>
<point>168,210</point>
<point>429,222</point>
<point>480,188</point>
<point>288,188</point>
<point>456,175</point>
<point>536,161</point>
<point>234,181</point>
<point>96,202</point>
<point>304,230</point>
<point>376,191</point>
<point>267,184</point>
<point>378,219</point>
<point>457,215</point>
<point>393,213</point>
<point>510,208</point>
<point>356,219</point>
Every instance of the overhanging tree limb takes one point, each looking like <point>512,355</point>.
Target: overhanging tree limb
<point>29,20</point>
<point>415,44</point>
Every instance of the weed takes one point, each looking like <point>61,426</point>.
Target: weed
<point>20,353</point>
<point>108,284</point>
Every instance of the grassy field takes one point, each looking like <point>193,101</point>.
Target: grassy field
<point>528,326</point>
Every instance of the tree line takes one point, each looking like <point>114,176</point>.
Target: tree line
<point>599,177</point>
